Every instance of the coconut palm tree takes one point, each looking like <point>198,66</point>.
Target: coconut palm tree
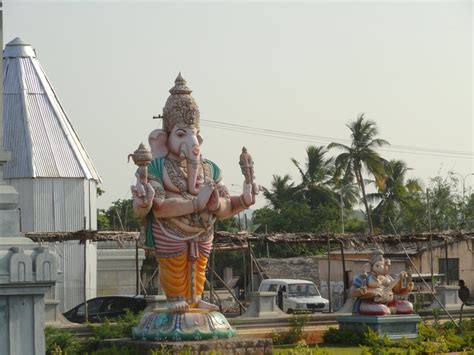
<point>360,155</point>
<point>393,193</point>
<point>319,168</point>
<point>282,190</point>
<point>316,178</point>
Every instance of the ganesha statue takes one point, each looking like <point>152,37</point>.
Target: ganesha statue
<point>376,290</point>
<point>179,198</point>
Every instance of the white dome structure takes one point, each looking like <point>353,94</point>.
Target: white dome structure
<point>49,167</point>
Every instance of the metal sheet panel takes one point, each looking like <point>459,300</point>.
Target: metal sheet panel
<point>43,202</point>
<point>38,122</point>
<point>73,204</point>
<point>30,78</point>
<point>24,188</point>
<point>73,254</point>
<point>53,157</point>
<point>93,205</point>
<point>11,76</point>
<point>16,139</point>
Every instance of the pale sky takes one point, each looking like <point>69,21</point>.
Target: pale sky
<point>306,68</point>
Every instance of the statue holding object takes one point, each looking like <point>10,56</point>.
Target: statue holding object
<point>181,200</point>
<point>375,288</point>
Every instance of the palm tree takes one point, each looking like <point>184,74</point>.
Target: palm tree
<point>394,192</point>
<point>360,154</point>
<point>282,190</point>
<point>316,178</point>
<point>319,169</point>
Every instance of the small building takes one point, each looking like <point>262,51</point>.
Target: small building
<point>49,167</point>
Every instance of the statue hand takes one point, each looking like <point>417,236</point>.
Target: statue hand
<point>143,195</point>
<point>205,192</point>
<point>375,292</point>
<point>402,274</point>
<point>213,204</point>
<point>247,194</point>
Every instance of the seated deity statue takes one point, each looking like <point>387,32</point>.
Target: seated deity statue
<point>375,288</point>
<point>180,199</point>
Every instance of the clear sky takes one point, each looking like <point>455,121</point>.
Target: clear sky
<point>303,67</point>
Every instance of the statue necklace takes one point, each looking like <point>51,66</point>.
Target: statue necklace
<point>178,177</point>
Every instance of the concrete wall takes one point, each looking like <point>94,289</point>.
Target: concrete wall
<point>463,250</point>
<point>116,270</point>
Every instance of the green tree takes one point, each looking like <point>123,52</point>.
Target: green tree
<point>414,214</point>
<point>469,213</point>
<point>316,178</point>
<point>444,203</point>
<point>120,216</point>
<point>282,190</point>
<point>359,155</point>
<point>393,195</point>
<point>319,169</point>
<point>102,220</point>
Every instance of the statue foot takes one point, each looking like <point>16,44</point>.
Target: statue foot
<point>179,306</point>
<point>206,305</point>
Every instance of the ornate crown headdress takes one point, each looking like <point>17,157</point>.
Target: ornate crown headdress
<point>180,107</point>
<point>377,255</point>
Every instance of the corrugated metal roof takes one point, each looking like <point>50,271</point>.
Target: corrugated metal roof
<point>36,128</point>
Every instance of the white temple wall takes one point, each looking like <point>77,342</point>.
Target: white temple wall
<point>63,204</point>
<point>56,204</point>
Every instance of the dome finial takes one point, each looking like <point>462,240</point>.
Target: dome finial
<point>180,87</point>
<point>180,106</point>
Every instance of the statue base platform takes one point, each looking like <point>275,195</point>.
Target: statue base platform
<point>218,346</point>
<point>394,326</point>
<point>194,324</point>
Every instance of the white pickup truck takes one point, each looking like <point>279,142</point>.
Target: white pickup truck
<point>296,296</point>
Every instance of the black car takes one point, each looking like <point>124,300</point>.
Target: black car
<point>110,307</point>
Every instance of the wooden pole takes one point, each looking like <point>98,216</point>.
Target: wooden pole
<point>431,239</point>
<point>329,274</point>
<point>446,260</point>
<point>230,291</point>
<point>245,273</point>
<point>86,310</point>
<point>211,283</point>
<point>137,270</point>
<point>251,265</point>
<point>344,273</point>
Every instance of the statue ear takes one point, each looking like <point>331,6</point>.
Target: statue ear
<point>158,140</point>
<point>367,268</point>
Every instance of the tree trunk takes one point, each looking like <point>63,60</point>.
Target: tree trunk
<point>364,198</point>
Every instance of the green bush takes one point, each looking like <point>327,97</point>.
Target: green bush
<point>61,341</point>
<point>342,337</point>
<point>295,335</point>
<point>432,338</point>
<point>121,328</point>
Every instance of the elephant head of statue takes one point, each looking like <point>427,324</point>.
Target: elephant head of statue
<point>180,137</point>
<point>377,264</point>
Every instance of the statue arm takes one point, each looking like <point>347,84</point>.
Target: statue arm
<point>230,205</point>
<point>180,206</point>
<point>153,197</point>
<point>398,287</point>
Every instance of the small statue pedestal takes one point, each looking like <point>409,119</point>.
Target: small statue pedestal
<point>194,324</point>
<point>394,326</point>
<point>264,305</point>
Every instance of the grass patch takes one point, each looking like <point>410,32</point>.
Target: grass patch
<point>317,350</point>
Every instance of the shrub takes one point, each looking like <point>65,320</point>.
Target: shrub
<point>60,341</point>
<point>342,336</point>
<point>122,328</point>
